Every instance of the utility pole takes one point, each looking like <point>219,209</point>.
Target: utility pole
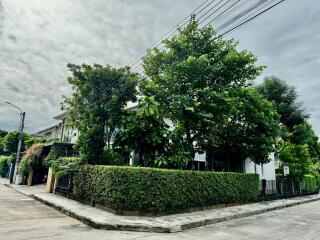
<point>23,115</point>
<point>16,164</point>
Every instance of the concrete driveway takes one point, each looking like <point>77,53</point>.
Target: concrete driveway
<point>24,218</point>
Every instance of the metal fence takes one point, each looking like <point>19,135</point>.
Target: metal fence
<point>65,185</point>
<point>282,188</point>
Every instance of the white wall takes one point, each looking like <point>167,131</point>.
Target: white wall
<point>69,134</point>
<point>52,133</point>
<point>266,171</point>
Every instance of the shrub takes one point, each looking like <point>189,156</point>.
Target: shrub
<point>161,190</point>
<point>5,162</point>
<point>110,157</point>
<point>59,162</point>
<point>309,183</point>
<point>30,159</point>
<point>65,165</point>
<point>55,153</point>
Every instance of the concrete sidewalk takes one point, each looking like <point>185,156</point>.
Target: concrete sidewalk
<point>172,223</point>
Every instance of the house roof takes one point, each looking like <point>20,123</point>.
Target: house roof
<point>61,116</point>
<point>46,129</point>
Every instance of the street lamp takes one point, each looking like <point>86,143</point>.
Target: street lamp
<point>11,104</point>
<point>14,167</point>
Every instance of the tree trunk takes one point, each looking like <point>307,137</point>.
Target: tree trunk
<point>190,143</point>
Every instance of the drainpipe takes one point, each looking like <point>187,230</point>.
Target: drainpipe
<point>62,130</point>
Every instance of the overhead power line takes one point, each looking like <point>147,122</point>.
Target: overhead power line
<point>239,19</point>
<point>182,23</point>
<point>252,18</point>
<point>222,28</point>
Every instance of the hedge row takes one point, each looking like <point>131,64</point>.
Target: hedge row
<point>161,190</point>
<point>5,162</point>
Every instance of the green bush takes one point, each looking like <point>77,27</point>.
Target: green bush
<point>309,183</point>
<point>30,159</point>
<point>161,190</point>
<point>5,162</point>
<point>55,153</point>
<point>65,165</point>
<point>111,157</point>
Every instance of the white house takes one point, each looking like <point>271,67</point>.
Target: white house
<point>61,131</point>
<point>66,133</point>
<point>50,133</point>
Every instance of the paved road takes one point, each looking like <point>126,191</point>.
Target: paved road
<point>23,218</point>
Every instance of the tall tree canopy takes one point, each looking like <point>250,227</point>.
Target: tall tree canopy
<point>200,82</point>
<point>3,133</point>
<point>100,94</point>
<point>11,140</point>
<point>303,134</point>
<point>144,132</point>
<point>285,99</point>
<point>298,158</point>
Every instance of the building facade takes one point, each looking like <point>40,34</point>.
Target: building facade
<point>65,133</point>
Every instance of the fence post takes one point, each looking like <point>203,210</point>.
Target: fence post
<point>300,188</point>
<point>292,186</point>
<point>264,187</point>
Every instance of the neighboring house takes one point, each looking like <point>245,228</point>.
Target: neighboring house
<point>62,131</point>
<point>50,133</point>
<point>67,134</point>
<point>266,171</point>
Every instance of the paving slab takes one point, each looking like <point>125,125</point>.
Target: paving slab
<point>101,219</point>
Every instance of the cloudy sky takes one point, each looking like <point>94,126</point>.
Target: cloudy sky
<point>39,37</point>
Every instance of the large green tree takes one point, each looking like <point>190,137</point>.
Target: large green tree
<point>200,81</point>
<point>3,133</point>
<point>144,131</point>
<point>296,131</point>
<point>303,134</point>
<point>11,140</point>
<point>2,152</point>
<point>250,131</point>
<point>100,94</point>
<point>298,158</point>
<point>285,99</point>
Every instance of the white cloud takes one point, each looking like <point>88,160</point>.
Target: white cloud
<point>38,38</point>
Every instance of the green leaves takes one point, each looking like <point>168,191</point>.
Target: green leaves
<point>298,158</point>
<point>144,131</point>
<point>5,162</point>
<point>285,100</point>
<point>30,159</point>
<point>11,140</point>
<point>97,105</point>
<point>150,190</point>
<point>65,165</point>
<point>200,82</point>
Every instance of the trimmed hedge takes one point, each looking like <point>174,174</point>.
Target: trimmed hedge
<point>5,162</point>
<point>161,190</point>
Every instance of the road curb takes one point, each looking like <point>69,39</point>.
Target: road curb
<point>108,226</point>
<point>168,229</point>
<point>242,215</point>
<point>168,226</point>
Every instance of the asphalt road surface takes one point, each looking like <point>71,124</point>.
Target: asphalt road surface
<point>23,218</point>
